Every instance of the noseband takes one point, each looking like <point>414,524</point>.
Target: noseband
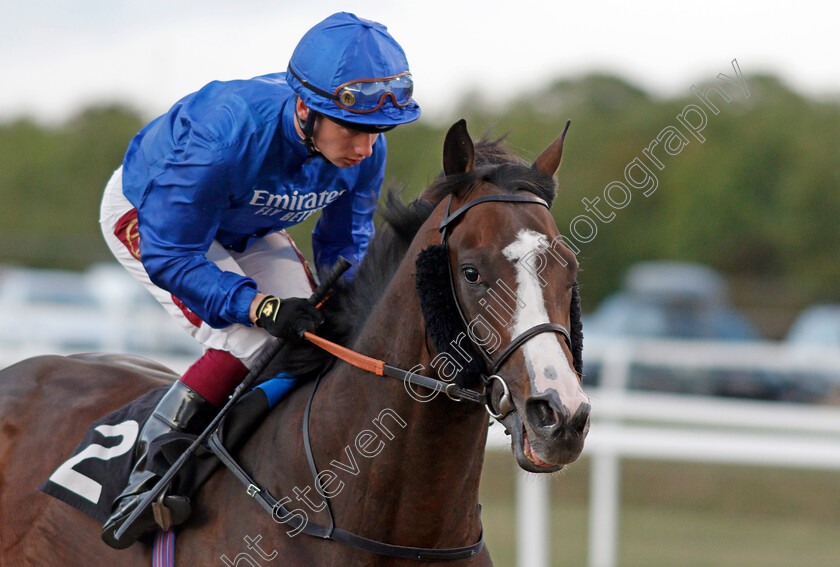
<point>492,367</point>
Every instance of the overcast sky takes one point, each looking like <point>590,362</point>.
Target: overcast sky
<point>57,56</point>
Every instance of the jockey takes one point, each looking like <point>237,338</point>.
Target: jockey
<point>198,208</point>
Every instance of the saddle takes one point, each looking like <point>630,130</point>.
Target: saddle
<point>98,470</point>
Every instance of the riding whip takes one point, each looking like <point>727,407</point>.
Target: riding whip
<point>317,297</point>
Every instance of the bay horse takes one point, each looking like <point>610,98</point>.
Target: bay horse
<point>404,464</point>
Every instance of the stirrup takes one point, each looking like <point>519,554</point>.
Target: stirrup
<point>164,513</point>
<point>180,409</point>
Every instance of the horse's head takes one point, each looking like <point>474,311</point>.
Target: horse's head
<point>510,284</point>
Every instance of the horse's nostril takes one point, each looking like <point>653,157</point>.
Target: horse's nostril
<point>580,420</point>
<point>540,413</point>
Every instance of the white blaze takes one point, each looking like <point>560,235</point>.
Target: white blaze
<point>548,367</point>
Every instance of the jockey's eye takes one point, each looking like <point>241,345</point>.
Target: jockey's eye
<point>471,275</point>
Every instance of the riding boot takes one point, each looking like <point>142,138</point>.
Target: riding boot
<point>180,409</point>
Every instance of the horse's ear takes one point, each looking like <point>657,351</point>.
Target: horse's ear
<point>458,150</point>
<point>549,160</point>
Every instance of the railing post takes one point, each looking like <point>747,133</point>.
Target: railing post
<point>615,372</point>
<point>533,513</point>
<point>605,475</point>
<point>604,509</point>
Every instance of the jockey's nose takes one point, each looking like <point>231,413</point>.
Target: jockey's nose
<point>363,144</point>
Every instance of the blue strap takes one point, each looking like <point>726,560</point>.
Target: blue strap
<point>277,388</point>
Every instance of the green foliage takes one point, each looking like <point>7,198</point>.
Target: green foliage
<point>51,182</point>
<point>758,199</point>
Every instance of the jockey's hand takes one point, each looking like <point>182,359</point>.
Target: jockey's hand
<point>288,318</point>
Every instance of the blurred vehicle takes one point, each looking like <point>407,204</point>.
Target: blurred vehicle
<point>686,301</point>
<point>816,327</point>
<point>815,335</point>
<point>103,310</point>
<point>671,300</point>
<point>48,306</point>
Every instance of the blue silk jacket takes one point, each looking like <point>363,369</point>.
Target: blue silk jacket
<point>225,163</point>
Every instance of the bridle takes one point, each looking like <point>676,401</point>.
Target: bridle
<point>492,367</point>
<point>453,391</point>
<point>490,372</point>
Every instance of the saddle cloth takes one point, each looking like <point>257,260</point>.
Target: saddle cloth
<point>98,470</point>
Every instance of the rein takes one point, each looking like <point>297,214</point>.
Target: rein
<point>379,368</point>
<point>456,393</point>
<point>299,523</point>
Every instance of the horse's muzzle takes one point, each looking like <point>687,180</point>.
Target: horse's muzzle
<point>548,436</point>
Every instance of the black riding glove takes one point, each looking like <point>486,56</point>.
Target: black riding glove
<point>288,318</point>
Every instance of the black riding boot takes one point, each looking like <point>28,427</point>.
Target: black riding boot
<point>180,409</point>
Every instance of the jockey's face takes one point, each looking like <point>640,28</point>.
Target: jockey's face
<point>341,146</point>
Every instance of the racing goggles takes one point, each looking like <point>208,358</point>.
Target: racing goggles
<point>367,95</point>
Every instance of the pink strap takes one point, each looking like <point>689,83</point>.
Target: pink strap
<point>163,552</point>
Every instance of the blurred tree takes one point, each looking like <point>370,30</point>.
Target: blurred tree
<point>51,182</point>
<point>757,200</point>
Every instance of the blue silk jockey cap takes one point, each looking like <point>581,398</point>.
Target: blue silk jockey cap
<point>354,70</point>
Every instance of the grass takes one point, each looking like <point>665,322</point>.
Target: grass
<point>682,515</point>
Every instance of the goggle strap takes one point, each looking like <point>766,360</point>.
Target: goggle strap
<point>312,87</point>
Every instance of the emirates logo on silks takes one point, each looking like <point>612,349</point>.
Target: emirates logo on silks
<point>293,207</point>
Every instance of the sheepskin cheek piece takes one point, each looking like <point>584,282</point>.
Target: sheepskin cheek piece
<point>443,324</point>
<point>576,331</point>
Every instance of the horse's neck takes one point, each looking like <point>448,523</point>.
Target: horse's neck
<point>422,488</point>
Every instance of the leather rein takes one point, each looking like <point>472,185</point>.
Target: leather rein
<point>453,391</point>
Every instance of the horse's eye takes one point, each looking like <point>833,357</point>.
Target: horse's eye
<point>471,275</point>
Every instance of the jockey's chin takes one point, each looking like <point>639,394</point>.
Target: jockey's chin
<point>342,146</point>
<point>343,160</point>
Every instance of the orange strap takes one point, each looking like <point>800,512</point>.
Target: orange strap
<point>348,356</point>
